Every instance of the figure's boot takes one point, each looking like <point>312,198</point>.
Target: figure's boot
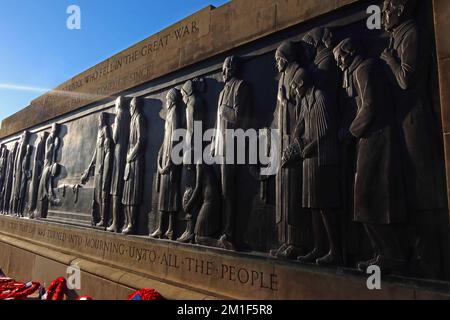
<point>158,233</point>
<point>114,225</point>
<point>170,234</point>
<point>310,257</point>
<point>126,226</point>
<point>188,235</point>
<point>131,216</point>
<point>18,212</point>
<point>334,256</point>
<point>16,208</point>
<point>225,243</point>
<point>363,265</point>
<point>22,209</point>
<point>291,252</point>
<point>317,233</point>
<point>126,219</point>
<point>102,222</point>
<point>277,252</point>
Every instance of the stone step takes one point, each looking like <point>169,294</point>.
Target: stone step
<point>70,215</point>
<point>72,218</point>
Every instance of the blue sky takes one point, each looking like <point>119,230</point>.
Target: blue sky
<point>38,51</point>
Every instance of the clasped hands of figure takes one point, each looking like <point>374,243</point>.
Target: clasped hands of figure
<point>388,55</point>
<point>166,169</point>
<point>131,156</point>
<point>228,116</point>
<point>296,153</point>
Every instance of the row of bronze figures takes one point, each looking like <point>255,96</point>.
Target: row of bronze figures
<point>387,117</point>
<point>18,179</point>
<point>118,166</point>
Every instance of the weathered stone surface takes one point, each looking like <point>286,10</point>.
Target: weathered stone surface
<point>309,285</point>
<point>20,263</point>
<point>444,83</point>
<point>4,258</point>
<point>289,11</point>
<point>44,270</point>
<point>442,21</point>
<point>442,27</point>
<point>97,280</point>
<point>447,161</point>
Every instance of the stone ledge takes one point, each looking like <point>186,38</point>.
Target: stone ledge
<point>186,271</point>
<point>113,275</point>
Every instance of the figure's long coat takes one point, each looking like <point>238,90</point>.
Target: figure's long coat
<point>288,180</point>
<point>121,134</point>
<point>26,175</point>
<point>7,190</point>
<point>236,95</point>
<point>379,196</point>
<point>169,195</point>
<point>321,167</point>
<point>21,151</point>
<point>422,163</point>
<point>3,165</point>
<point>38,167</point>
<point>98,163</point>
<point>134,170</point>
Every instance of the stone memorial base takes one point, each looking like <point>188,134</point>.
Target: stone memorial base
<point>112,266</point>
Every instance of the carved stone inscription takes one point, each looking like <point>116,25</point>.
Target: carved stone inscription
<point>208,269</point>
<point>132,67</point>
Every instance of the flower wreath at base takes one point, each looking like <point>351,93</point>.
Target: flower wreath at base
<point>13,290</point>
